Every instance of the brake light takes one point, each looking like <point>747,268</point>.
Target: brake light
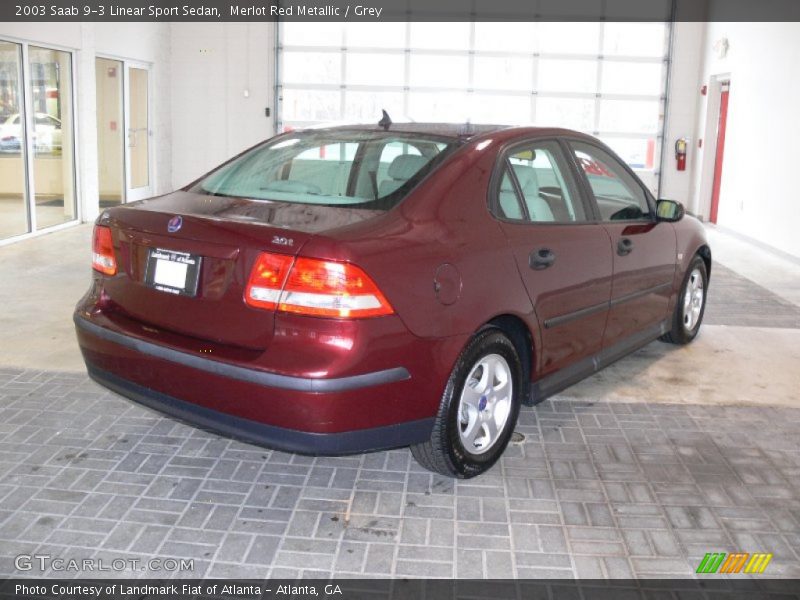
<point>314,287</point>
<point>103,258</point>
<point>267,279</point>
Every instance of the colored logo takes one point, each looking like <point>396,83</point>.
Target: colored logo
<point>175,223</point>
<point>738,562</point>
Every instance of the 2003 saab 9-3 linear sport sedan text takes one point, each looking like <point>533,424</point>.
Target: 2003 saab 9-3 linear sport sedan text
<point>348,289</point>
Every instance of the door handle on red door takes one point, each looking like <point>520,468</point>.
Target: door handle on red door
<point>624,246</point>
<point>541,259</point>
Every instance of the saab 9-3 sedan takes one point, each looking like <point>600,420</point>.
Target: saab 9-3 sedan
<point>350,289</point>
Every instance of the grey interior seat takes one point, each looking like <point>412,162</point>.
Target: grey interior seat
<point>401,169</point>
<point>538,208</point>
<point>509,204</point>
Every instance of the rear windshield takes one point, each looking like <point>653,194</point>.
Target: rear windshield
<point>357,169</point>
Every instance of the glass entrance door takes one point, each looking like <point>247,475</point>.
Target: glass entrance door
<point>138,159</point>
<point>109,76</point>
<point>50,119</point>
<point>13,203</point>
<point>37,149</point>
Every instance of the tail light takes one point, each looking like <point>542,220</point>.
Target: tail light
<point>314,287</point>
<point>103,258</point>
<point>267,279</point>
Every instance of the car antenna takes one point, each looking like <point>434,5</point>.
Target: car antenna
<point>386,121</point>
<point>466,129</point>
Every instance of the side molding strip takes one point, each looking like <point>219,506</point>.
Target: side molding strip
<point>585,312</point>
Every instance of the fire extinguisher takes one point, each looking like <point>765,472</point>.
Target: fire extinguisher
<point>680,153</point>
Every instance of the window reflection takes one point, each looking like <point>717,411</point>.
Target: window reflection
<point>53,170</point>
<point>13,207</point>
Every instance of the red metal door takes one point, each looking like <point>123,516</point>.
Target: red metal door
<point>723,119</point>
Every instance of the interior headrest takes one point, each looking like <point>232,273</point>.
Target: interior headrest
<point>405,166</point>
<point>526,177</point>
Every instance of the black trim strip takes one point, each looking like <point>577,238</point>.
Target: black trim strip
<point>585,312</point>
<point>280,438</point>
<point>300,384</point>
<point>639,294</point>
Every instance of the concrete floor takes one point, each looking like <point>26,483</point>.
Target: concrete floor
<point>637,471</point>
<point>774,271</point>
<point>43,279</point>
<point>14,216</point>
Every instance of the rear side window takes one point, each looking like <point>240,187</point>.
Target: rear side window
<point>619,195</point>
<point>358,169</point>
<point>534,186</point>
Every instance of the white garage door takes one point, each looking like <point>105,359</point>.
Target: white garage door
<point>607,79</point>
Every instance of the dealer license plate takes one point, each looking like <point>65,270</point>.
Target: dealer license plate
<point>173,272</point>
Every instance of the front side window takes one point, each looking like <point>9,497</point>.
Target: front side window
<point>358,169</point>
<point>533,186</point>
<point>619,195</point>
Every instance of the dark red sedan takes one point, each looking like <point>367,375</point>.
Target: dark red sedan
<point>341,290</point>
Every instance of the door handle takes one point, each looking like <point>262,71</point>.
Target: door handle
<point>541,259</point>
<point>624,246</point>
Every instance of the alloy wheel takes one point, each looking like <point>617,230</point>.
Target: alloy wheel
<point>485,403</point>
<point>693,300</point>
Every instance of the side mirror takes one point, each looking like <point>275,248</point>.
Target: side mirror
<point>669,211</point>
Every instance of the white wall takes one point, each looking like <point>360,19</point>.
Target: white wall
<point>146,42</point>
<point>682,106</point>
<point>213,64</point>
<point>759,178</point>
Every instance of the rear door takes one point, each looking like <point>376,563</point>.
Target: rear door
<point>563,258</point>
<point>643,249</point>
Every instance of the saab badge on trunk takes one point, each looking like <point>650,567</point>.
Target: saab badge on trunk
<point>175,223</point>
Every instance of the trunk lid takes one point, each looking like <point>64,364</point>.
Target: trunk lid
<point>224,236</point>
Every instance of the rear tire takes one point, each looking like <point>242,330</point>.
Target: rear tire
<point>478,411</point>
<point>690,305</point>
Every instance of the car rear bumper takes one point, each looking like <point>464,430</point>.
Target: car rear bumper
<point>348,413</point>
<point>279,438</point>
<point>265,378</point>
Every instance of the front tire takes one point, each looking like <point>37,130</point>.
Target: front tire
<point>478,411</point>
<point>690,306</point>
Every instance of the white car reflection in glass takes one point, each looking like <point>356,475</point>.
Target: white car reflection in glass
<point>46,139</point>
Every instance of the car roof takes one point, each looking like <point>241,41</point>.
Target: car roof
<point>459,131</point>
<point>453,130</point>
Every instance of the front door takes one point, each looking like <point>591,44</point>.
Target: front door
<point>564,260</point>
<point>138,159</point>
<point>643,249</point>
